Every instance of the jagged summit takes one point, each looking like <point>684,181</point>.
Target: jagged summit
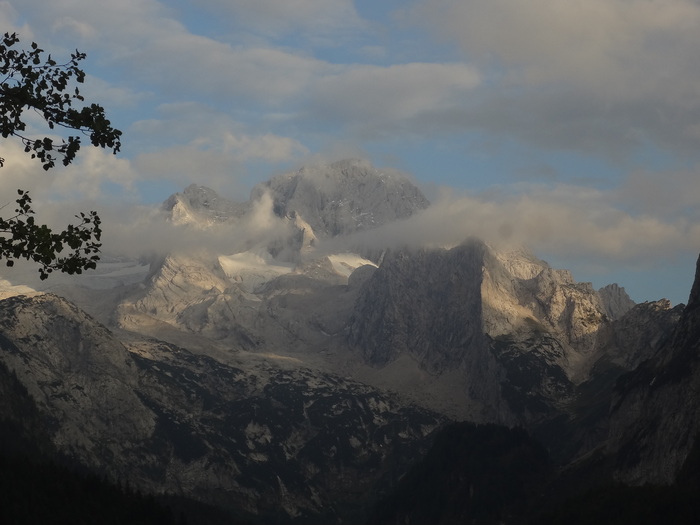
<point>277,371</point>
<point>655,413</point>
<point>343,197</point>
<point>615,300</point>
<point>200,204</point>
<point>322,200</point>
<point>694,298</point>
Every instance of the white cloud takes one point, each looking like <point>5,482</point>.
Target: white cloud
<point>9,18</point>
<point>625,47</point>
<point>371,96</point>
<point>568,222</point>
<point>600,74</point>
<point>208,147</point>
<point>110,96</point>
<point>276,18</point>
<point>672,194</point>
<point>81,30</point>
<point>219,161</point>
<point>267,147</point>
<point>262,221</point>
<point>143,41</point>
<point>183,165</point>
<point>19,172</point>
<point>184,63</point>
<point>85,178</point>
<point>138,231</point>
<point>203,126</point>
<point>82,179</point>
<point>116,27</point>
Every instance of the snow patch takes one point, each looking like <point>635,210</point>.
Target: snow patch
<point>346,263</point>
<point>251,270</point>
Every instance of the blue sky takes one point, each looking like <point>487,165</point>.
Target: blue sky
<point>573,126</point>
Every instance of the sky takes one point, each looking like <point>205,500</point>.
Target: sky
<point>570,126</point>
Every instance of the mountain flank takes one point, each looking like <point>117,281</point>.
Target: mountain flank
<point>283,372</point>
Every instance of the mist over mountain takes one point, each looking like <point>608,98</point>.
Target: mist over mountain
<point>301,351</point>
<point>199,204</point>
<point>345,197</point>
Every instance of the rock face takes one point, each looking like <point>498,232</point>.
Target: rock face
<point>639,333</point>
<point>442,335</point>
<point>521,333</point>
<point>261,440</point>
<point>258,380</point>
<point>615,300</point>
<point>527,300</point>
<point>343,197</point>
<point>194,294</point>
<point>439,333</point>
<point>202,205</point>
<point>655,415</point>
<point>514,336</point>
<point>82,380</point>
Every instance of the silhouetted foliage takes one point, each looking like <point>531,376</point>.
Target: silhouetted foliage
<point>32,81</point>
<point>24,238</point>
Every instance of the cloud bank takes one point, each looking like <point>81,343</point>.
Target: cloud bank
<point>567,221</point>
<point>625,68</point>
<point>601,96</point>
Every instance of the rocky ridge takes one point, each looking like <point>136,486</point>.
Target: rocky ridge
<point>342,198</point>
<point>655,413</point>
<point>263,440</point>
<point>287,379</point>
<point>199,205</point>
<point>515,336</point>
<point>615,300</point>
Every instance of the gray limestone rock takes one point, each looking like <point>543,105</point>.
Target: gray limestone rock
<point>272,441</point>
<point>426,304</point>
<point>343,197</point>
<point>199,204</point>
<point>615,300</point>
<point>264,384</point>
<point>81,378</point>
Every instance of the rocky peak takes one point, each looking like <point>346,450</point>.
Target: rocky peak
<point>615,300</point>
<point>513,296</point>
<point>80,376</point>
<point>640,332</point>
<point>694,298</point>
<point>342,197</point>
<point>426,304</point>
<point>201,205</point>
<point>655,417</point>
<point>511,325</point>
<point>524,298</point>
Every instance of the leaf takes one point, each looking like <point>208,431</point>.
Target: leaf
<point>42,84</point>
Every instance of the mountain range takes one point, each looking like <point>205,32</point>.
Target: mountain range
<point>287,370</point>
